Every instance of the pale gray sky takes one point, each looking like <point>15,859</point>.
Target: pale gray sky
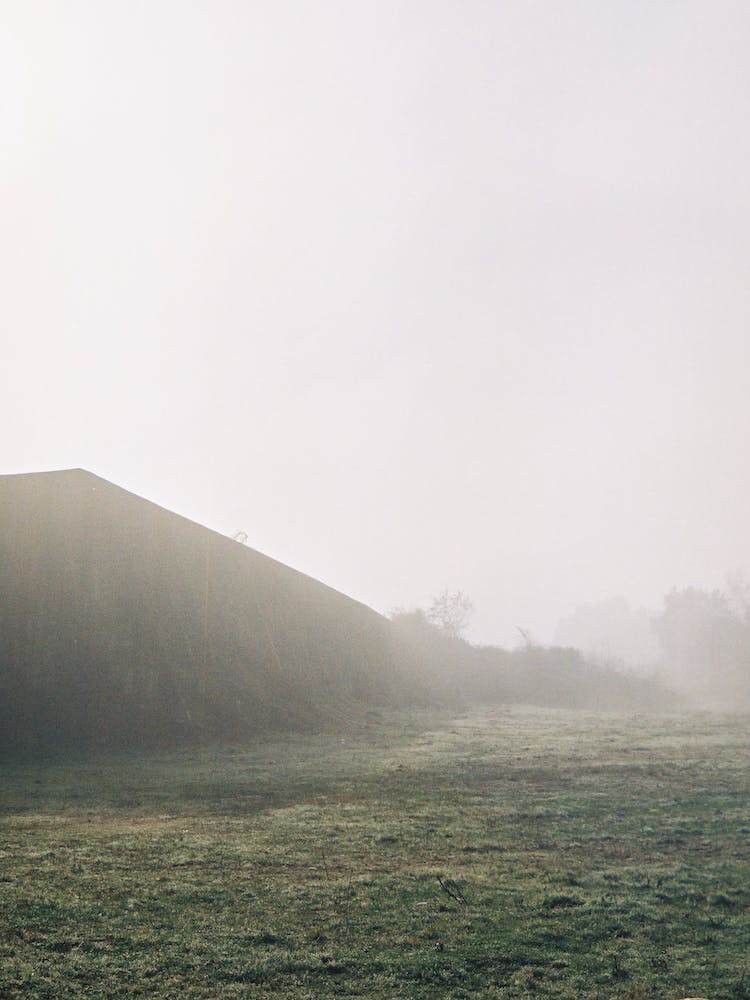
<point>417,293</point>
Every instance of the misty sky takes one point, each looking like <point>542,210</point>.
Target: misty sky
<point>417,294</point>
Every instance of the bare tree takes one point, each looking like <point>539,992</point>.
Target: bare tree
<point>526,638</point>
<point>451,612</point>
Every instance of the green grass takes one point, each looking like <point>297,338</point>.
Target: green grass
<point>509,854</point>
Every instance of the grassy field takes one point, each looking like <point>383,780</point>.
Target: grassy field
<point>508,853</point>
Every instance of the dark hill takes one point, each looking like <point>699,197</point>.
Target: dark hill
<point>124,623</point>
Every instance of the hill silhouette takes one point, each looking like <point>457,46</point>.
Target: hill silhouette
<point>125,624</point>
<point>122,623</point>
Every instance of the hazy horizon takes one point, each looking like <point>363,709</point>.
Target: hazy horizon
<point>417,295</point>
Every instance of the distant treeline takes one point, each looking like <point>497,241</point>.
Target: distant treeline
<point>704,644</point>
<point>547,676</point>
<point>698,642</point>
<point>699,654</point>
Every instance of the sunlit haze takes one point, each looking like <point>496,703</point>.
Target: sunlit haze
<point>416,294</point>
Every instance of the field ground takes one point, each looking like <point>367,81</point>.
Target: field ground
<point>504,853</point>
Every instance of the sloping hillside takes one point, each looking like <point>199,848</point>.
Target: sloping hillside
<point>124,623</point>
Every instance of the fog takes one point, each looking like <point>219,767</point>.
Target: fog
<point>416,294</point>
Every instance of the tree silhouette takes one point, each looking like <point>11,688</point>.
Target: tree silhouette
<point>451,612</point>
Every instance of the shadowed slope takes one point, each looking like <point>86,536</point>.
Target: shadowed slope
<point>122,622</point>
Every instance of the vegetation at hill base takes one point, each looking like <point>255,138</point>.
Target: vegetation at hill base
<point>457,671</point>
<point>505,853</point>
